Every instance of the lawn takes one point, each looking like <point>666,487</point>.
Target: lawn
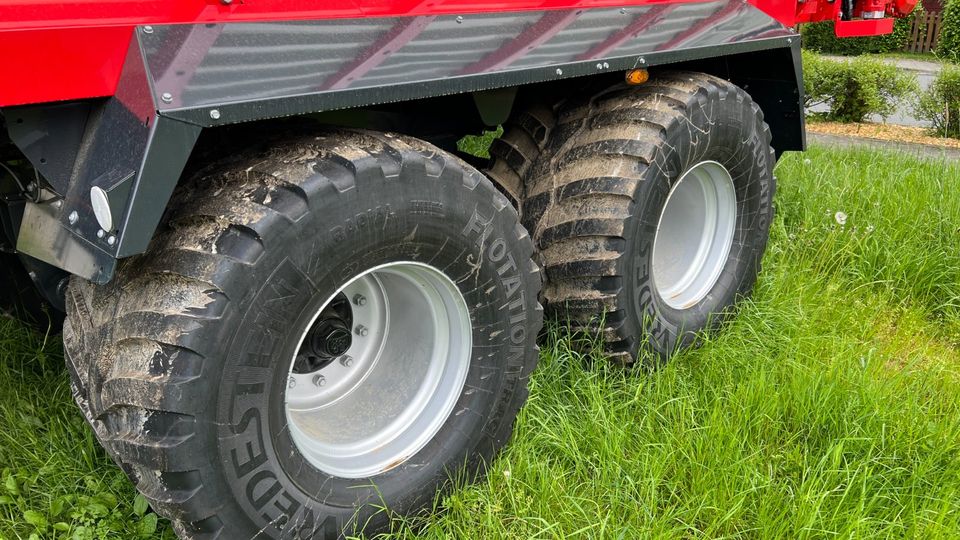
<point>830,407</point>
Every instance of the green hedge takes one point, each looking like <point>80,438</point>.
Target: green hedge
<point>856,88</point>
<point>940,104</point>
<point>819,37</point>
<point>949,45</point>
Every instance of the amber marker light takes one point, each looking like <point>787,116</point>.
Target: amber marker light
<point>637,76</point>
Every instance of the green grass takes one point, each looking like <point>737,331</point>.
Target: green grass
<point>56,480</point>
<point>830,407</point>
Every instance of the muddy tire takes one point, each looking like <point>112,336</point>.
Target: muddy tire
<point>628,165</point>
<point>212,368</point>
<point>513,154</point>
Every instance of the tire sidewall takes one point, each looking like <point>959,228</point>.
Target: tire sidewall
<point>450,221</point>
<point>731,135</point>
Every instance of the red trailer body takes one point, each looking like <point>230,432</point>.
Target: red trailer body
<point>292,301</point>
<point>75,50</point>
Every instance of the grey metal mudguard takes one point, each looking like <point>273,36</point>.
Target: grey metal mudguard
<point>179,79</point>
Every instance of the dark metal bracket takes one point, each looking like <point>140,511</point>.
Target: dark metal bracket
<point>120,145</point>
<point>130,149</point>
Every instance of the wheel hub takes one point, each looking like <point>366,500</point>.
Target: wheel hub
<point>333,339</point>
<point>694,235</point>
<point>328,338</point>
<point>375,378</point>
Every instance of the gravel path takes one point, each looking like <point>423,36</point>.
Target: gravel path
<point>912,149</point>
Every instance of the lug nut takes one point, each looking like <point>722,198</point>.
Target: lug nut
<point>361,330</point>
<point>72,218</point>
<point>359,299</point>
<point>291,382</point>
<point>319,380</point>
<point>346,360</point>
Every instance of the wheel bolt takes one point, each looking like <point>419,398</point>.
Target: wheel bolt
<point>319,380</point>
<point>291,382</point>
<point>346,360</point>
<point>359,299</point>
<point>361,330</point>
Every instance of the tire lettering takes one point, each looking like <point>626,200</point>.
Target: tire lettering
<point>259,485</point>
<point>286,512</point>
<point>497,252</point>
<point>511,264</point>
<point>646,311</point>
<point>516,354</point>
<point>273,488</point>
<point>478,224</point>
<point>427,208</point>
<point>516,303</point>
<point>518,334</point>
<point>373,218</point>
<point>512,284</point>
<point>297,522</point>
<point>254,460</point>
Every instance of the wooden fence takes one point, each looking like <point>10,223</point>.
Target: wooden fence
<point>924,32</point>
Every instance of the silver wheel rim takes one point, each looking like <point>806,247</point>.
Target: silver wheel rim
<point>391,392</point>
<point>694,235</point>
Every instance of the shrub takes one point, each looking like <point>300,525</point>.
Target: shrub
<point>949,44</point>
<point>819,37</point>
<point>940,104</point>
<point>855,88</point>
<point>813,65</point>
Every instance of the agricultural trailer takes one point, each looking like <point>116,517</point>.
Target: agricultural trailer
<point>293,308</point>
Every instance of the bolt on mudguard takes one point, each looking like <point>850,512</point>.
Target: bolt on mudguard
<point>114,163</point>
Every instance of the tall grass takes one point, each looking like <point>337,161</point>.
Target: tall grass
<point>830,407</point>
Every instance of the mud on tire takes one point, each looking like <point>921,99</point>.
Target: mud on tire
<point>596,190</point>
<point>180,364</point>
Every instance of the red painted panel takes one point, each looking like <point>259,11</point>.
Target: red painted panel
<point>27,14</point>
<point>784,11</point>
<point>61,64</point>
<point>59,50</point>
<point>870,27</point>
